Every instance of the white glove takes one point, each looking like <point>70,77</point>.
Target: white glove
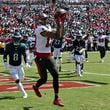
<point>27,65</point>
<point>6,65</point>
<point>31,60</point>
<point>72,56</point>
<point>82,50</point>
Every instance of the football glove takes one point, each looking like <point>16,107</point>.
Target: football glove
<point>27,65</point>
<point>6,65</point>
<point>82,50</point>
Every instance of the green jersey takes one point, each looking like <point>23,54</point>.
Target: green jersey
<point>15,53</point>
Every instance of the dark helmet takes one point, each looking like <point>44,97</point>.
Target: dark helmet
<point>100,32</point>
<point>16,38</point>
<point>78,36</point>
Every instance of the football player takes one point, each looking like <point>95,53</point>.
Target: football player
<point>57,45</point>
<point>44,61</point>
<point>13,53</point>
<point>101,45</point>
<point>79,49</point>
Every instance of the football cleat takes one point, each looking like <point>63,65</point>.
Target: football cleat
<point>82,71</point>
<point>102,60</point>
<point>58,102</point>
<point>37,92</point>
<point>25,96</point>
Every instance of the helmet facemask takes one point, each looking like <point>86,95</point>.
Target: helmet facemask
<point>16,39</point>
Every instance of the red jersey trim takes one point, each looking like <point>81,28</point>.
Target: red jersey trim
<point>43,55</point>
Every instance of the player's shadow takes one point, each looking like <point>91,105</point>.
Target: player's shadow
<point>66,62</point>
<point>63,74</point>
<point>27,108</point>
<point>67,75</point>
<point>33,77</point>
<point>94,82</point>
<point>7,98</point>
<point>5,72</point>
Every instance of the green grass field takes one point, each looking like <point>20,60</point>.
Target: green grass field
<point>91,98</point>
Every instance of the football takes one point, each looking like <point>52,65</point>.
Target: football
<point>60,15</point>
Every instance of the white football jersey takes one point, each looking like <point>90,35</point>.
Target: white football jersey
<point>42,44</point>
<point>101,40</point>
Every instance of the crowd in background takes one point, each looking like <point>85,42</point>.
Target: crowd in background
<point>84,19</point>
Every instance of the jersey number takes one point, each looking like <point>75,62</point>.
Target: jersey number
<point>15,57</point>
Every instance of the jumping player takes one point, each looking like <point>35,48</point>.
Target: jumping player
<point>44,61</point>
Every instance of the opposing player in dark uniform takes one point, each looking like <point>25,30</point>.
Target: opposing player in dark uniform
<point>101,45</point>
<point>27,44</point>
<point>79,49</point>
<point>13,53</point>
<point>57,51</point>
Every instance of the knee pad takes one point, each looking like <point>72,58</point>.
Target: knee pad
<point>17,81</point>
<point>78,63</point>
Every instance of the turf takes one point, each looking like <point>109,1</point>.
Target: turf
<point>91,98</point>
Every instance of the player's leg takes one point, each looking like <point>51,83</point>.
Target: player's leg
<point>86,55</point>
<point>21,75</point>
<point>54,72</point>
<point>78,64</point>
<point>82,63</point>
<point>59,59</point>
<point>15,76</point>
<point>60,62</point>
<point>102,54</point>
<point>40,63</point>
<point>55,52</point>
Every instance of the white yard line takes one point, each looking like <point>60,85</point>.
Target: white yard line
<point>86,72</point>
<point>99,74</point>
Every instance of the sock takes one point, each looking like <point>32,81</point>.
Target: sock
<point>21,88</point>
<point>60,62</point>
<point>56,96</point>
<point>78,69</point>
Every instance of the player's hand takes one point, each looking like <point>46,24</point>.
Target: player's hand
<point>61,50</point>
<point>28,65</point>
<point>81,51</point>
<point>30,62</point>
<point>6,65</point>
<point>72,55</point>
